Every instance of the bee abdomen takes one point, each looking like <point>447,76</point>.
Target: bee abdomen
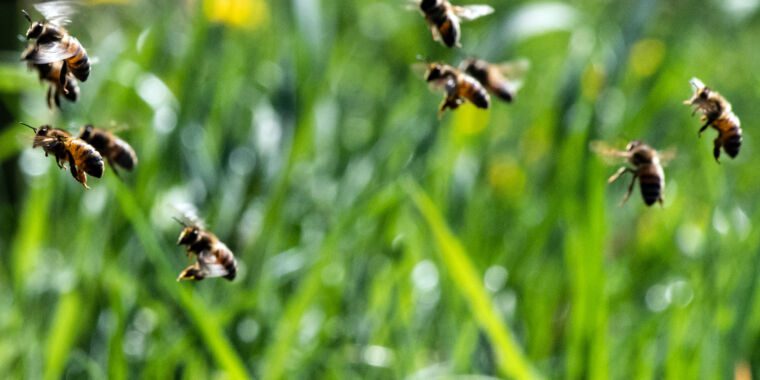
<point>651,188</point>
<point>79,63</point>
<point>88,159</point>
<point>480,98</point>
<point>231,267</point>
<point>733,142</point>
<point>125,156</point>
<point>505,93</point>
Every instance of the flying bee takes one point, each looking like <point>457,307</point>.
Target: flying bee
<point>115,150</point>
<point>81,156</point>
<point>53,43</point>
<point>717,113</point>
<point>443,18</point>
<point>51,72</point>
<point>456,85</point>
<point>647,167</point>
<point>502,80</point>
<point>213,258</point>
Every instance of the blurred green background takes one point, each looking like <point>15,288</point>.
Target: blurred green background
<point>375,240</point>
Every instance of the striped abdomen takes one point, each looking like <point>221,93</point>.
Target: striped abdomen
<point>110,146</point>
<point>470,89</point>
<point>729,133</point>
<point>86,157</point>
<point>78,63</point>
<point>437,14</point>
<point>651,181</point>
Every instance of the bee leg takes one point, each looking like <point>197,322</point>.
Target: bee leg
<point>618,173</point>
<point>716,149</point>
<point>113,167</point>
<point>64,76</point>
<point>50,97</point>
<point>76,173</point>
<point>707,124</point>
<point>57,98</point>
<point>630,190</point>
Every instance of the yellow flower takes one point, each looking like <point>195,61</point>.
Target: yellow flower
<point>237,13</point>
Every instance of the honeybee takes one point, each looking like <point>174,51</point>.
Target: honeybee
<point>213,258</point>
<point>81,156</point>
<point>501,80</point>
<point>115,150</point>
<point>457,87</point>
<point>717,113</point>
<point>51,72</point>
<point>443,18</point>
<point>53,43</point>
<point>647,167</point>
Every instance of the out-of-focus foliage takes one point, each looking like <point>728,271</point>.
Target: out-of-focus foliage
<point>375,240</point>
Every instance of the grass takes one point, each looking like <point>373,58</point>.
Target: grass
<point>374,239</point>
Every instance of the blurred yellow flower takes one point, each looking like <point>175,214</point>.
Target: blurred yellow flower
<point>506,178</point>
<point>237,13</point>
<point>647,56</point>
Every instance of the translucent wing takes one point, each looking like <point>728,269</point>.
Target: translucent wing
<point>50,52</point>
<point>514,70</point>
<point>667,155</point>
<point>57,12</point>
<point>471,12</point>
<point>412,5</point>
<point>189,215</point>
<point>419,69</point>
<point>209,262</point>
<point>609,154</point>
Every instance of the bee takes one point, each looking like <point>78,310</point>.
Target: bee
<point>51,72</point>
<point>213,258</point>
<point>443,18</point>
<point>717,113</point>
<point>500,79</point>
<point>53,43</point>
<point>457,86</point>
<point>115,150</point>
<point>81,156</point>
<point>647,167</point>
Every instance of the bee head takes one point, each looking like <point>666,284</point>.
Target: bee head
<point>701,92</point>
<point>35,28</point>
<point>427,5</point>
<point>189,235</point>
<point>86,132</point>
<point>434,72</point>
<point>633,145</point>
<point>641,155</point>
<point>190,273</point>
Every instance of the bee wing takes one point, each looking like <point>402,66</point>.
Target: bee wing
<point>608,154</point>
<point>419,69</point>
<point>471,12</point>
<point>51,52</point>
<point>210,264</point>
<point>667,155</point>
<point>189,214</point>
<point>412,5</point>
<point>514,70</point>
<point>57,12</point>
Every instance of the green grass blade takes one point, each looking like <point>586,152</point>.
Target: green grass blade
<point>64,328</point>
<point>509,355</point>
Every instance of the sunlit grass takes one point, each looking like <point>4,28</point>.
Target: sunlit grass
<point>374,239</point>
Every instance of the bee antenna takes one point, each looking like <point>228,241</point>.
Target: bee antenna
<point>180,222</point>
<point>27,125</point>
<point>26,15</point>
